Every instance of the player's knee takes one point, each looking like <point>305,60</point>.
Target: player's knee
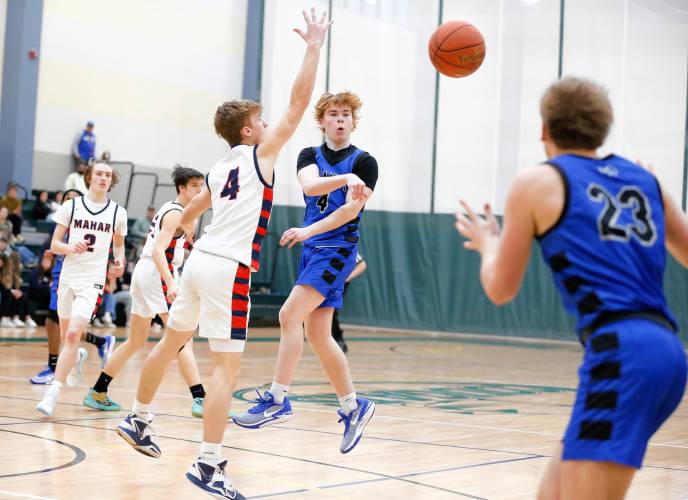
<point>137,341</point>
<point>287,317</point>
<point>72,336</point>
<point>230,374</point>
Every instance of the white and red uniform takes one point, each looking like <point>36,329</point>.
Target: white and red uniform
<point>148,289</point>
<point>214,289</point>
<point>83,275</point>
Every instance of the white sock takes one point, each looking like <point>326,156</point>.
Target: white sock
<point>55,388</point>
<point>349,403</point>
<point>211,453</point>
<point>279,391</point>
<point>140,408</point>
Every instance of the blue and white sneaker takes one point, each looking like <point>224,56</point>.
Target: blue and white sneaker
<point>44,377</point>
<point>74,377</point>
<point>266,412</point>
<point>355,422</point>
<point>105,350</point>
<point>213,480</point>
<point>139,434</point>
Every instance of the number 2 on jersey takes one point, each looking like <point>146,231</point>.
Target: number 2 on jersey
<point>231,188</point>
<point>642,227</point>
<point>90,240</point>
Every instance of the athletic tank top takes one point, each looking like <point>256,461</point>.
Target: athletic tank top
<point>174,253</point>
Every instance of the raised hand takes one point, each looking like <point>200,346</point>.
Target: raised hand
<point>476,229</point>
<point>315,30</point>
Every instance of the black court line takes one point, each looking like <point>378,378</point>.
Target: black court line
<point>284,427</point>
<point>315,462</point>
<point>79,456</point>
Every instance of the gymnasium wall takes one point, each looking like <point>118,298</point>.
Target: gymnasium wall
<point>150,74</point>
<point>3,19</point>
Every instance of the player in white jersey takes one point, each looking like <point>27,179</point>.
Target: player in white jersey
<point>214,290</point>
<point>92,223</point>
<point>153,288</point>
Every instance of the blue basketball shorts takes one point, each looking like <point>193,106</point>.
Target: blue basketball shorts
<point>632,378</point>
<point>53,295</point>
<point>326,269</point>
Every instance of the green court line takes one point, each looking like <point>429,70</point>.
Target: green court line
<point>474,341</point>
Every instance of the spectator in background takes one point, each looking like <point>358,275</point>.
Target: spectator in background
<point>39,282</point>
<point>5,226</point>
<point>13,303</point>
<point>337,332</point>
<point>41,208</point>
<point>84,147</point>
<point>75,180</point>
<point>139,232</point>
<point>14,207</point>
<point>55,203</point>
<point>106,157</point>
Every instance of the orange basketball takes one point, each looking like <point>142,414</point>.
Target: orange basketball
<point>456,49</point>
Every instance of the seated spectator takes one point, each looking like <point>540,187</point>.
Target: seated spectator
<point>75,180</point>
<point>139,232</point>
<point>14,207</point>
<point>106,157</point>
<point>39,282</point>
<point>5,226</point>
<point>13,303</point>
<point>41,208</point>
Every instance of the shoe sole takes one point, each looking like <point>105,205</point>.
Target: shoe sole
<point>196,414</point>
<point>202,487</point>
<point>95,406</point>
<point>272,421</point>
<point>144,451</point>
<point>47,382</point>
<point>366,418</point>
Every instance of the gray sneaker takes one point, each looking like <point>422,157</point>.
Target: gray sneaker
<point>265,412</point>
<point>355,422</point>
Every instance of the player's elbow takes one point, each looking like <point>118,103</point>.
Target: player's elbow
<point>500,298</point>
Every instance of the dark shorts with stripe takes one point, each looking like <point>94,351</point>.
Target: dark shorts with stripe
<point>326,269</point>
<point>632,378</point>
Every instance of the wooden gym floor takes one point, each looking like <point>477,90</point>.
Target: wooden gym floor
<point>457,417</point>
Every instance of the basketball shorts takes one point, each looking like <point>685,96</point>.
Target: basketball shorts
<point>53,295</point>
<point>632,378</point>
<point>78,299</point>
<point>147,292</point>
<point>326,269</point>
<point>213,297</point>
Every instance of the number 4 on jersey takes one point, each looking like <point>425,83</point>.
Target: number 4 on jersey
<point>231,188</point>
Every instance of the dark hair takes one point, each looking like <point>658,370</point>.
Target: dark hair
<point>181,175</point>
<point>577,113</point>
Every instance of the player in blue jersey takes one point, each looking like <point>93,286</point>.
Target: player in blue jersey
<point>603,224</point>
<point>105,344</point>
<point>337,180</point>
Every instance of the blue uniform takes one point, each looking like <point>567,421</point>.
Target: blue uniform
<point>607,256</point>
<point>57,269</point>
<point>328,259</point>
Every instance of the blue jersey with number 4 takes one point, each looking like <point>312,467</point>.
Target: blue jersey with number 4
<point>607,250</point>
<point>319,207</point>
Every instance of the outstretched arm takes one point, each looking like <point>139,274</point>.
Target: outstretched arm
<point>301,93</point>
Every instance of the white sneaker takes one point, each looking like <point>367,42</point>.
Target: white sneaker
<point>107,320</point>
<point>30,323</point>
<point>47,405</point>
<point>6,322</point>
<point>97,323</point>
<point>74,377</point>
<point>16,322</point>
<point>156,328</point>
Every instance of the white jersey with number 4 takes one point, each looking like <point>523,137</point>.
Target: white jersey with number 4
<point>94,225</point>
<point>241,203</point>
<point>175,250</point>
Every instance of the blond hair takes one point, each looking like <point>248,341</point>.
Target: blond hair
<point>345,98</point>
<point>577,113</point>
<point>232,116</point>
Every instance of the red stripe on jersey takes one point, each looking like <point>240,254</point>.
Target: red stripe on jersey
<point>240,304</point>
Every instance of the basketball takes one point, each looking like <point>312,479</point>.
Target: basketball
<point>456,49</point>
